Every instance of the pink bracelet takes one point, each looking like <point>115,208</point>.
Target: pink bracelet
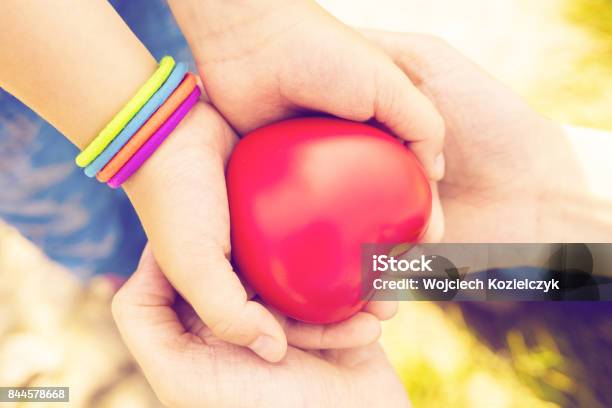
<point>147,149</point>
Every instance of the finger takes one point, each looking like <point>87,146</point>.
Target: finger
<point>381,309</point>
<point>143,312</point>
<point>420,56</point>
<point>435,229</point>
<point>430,62</point>
<point>411,116</point>
<point>360,330</point>
<point>215,292</point>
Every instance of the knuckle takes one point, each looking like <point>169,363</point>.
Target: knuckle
<point>439,128</point>
<point>226,328</point>
<point>390,105</point>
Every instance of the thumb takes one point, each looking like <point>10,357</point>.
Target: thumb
<point>216,294</point>
<point>142,309</point>
<point>411,116</point>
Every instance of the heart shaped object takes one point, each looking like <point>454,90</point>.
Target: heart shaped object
<point>304,195</point>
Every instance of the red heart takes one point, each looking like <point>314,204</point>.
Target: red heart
<point>304,195</point>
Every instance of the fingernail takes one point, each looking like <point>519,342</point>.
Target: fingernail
<point>267,348</point>
<point>439,166</point>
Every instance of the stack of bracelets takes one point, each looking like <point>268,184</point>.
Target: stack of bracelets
<point>132,136</point>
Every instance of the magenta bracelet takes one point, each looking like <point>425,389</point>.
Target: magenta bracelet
<point>149,147</point>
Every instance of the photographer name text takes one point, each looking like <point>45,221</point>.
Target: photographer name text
<point>447,284</point>
<point>423,265</point>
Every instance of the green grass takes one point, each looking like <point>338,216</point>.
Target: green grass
<point>594,15</point>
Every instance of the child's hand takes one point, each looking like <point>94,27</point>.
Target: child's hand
<point>180,197</point>
<point>188,366</point>
<point>268,60</point>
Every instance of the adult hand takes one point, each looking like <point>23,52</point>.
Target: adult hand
<point>263,61</point>
<point>181,199</point>
<point>511,175</point>
<point>188,366</point>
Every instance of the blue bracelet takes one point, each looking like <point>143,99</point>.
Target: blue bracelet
<point>158,98</point>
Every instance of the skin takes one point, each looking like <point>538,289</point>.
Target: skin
<point>179,193</point>
<point>188,366</point>
<point>526,166</point>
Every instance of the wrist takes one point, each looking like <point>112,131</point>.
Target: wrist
<point>201,137</point>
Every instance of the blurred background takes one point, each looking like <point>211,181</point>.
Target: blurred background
<point>557,54</point>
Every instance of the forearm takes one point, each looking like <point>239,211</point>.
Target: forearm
<point>580,211</point>
<point>75,63</point>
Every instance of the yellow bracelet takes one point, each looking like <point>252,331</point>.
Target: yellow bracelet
<point>110,131</point>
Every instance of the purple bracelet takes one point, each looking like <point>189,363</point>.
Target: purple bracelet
<point>149,147</point>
